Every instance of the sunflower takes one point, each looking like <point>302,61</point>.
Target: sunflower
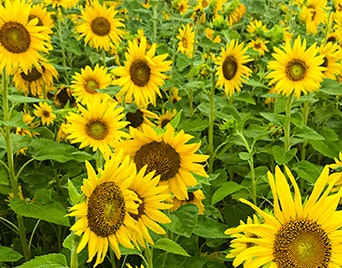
<point>85,85</point>
<point>332,59</point>
<point>104,218</point>
<point>168,154</point>
<point>36,82</point>
<point>44,111</point>
<point>61,3</point>
<point>297,235</point>
<point>44,17</point>
<point>196,197</point>
<point>140,118</point>
<point>64,96</point>
<point>313,13</point>
<point>153,200</point>
<point>259,45</point>
<point>98,126</point>
<point>187,39</point>
<point>231,70</point>
<point>335,173</point>
<point>183,6</point>
<point>237,14</point>
<point>100,27</point>
<point>210,33</point>
<point>166,118</point>
<point>256,27</point>
<point>296,69</point>
<point>21,40</point>
<point>142,74</point>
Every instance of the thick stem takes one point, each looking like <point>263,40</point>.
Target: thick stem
<point>148,256</point>
<point>60,37</point>
<point>287,127</point>
<point>10,165</point>
<point>251,165</point>
<point>211,123</point>
<point>74,257</point>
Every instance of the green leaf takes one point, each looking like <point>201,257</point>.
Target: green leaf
<point>182,61</point>
<point>9,255</point>
<point>308,133</point>
<point>226,189</point>
<point>42,207</point>
<point>22,99</point>
<point>175,121</point>
<point>331,87</point>
<point>245,97</point>
<point>329,149</point>
<point>193,125</point>
<point>282,157</point>
<point>171,246</point>
<point>183,220</point>
<point>277,119</point>
<point>54,260</point>
<point>74,195</point>
<point>307,171</point>
<point>45,149</point>
<point>255,83</point>
<point>209,228</point>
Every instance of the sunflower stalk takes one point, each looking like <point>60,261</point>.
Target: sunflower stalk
<point>287,127</point>
<point>10,165</point>
<point>74,256</point>
<point>148,252</point>
<point>60,36</point>
<point>211,123</point>
<point>251,164</point>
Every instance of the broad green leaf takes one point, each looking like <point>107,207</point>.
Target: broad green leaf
<point>175,121</point>
<point>54,260</point>
<point>45,149</point>
<point>171,246</point>
<point>74,195</point>
<point>182,61</point>
<point>278,119</point>
<point>308,171</point>
<point>308,133</point>
<point>331,87</point>
<point>244,156</point>
<point>226,189</point>
<point>183,220</point>
<point>209,228</point>
<point>329,149</point>
<point>245,97</point>
<point>22,99</point>
<point>9,255</point>
<point>255,83</point>
<point>282,157</point>
<point>193,125</point>
<point>42,207</point>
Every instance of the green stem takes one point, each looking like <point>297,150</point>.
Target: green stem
<point>10,164</point>
<point>251,165</point>
<point>305,113</point>
<point>112,258</point>
<point>287,127</point>
<point>154,22</point>
<point>74,256</point>
<point>60,37</point>
<point>148,252</point>
<point>211,123</point>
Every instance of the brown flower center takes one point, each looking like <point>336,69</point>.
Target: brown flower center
<point>91,85</point>
<point>185,42</point>
<point>140,73</point>
<point>135,119</point>
<point>158,156</point>
<point>97,130</point>
<point>302,243</point>
<point>32,75</point>
<point>296,70</point>
<point>100,26</point>
<point>229,67</point>
<point>14,37</point>
<point>106,209</point>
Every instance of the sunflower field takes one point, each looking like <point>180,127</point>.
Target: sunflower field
<point>171,134</point>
